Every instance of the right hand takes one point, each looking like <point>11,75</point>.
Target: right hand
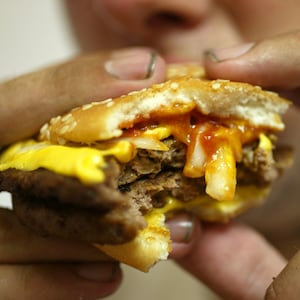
<point>34,267</point>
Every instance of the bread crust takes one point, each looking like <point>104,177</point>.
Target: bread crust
<point>106,119</point>
<point>154,242</point>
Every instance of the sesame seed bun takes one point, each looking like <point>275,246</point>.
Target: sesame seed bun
<point>107,119</point>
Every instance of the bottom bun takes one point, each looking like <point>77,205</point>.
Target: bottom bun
<point>150,246</point>
<point>153,243</point>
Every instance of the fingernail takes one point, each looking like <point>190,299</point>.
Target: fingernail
<point>104,272</point>
<point>181,228</point>
<point>136,64</point>
<point>219,55</point>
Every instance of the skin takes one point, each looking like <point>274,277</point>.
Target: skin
<point>249,40</point>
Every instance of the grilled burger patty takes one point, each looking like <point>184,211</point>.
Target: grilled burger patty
<point>111,212</point>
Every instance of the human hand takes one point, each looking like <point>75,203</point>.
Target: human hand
<point>30,100</point>
<point>33,267</point>
<point>272,63</point>
<point>234,261</point>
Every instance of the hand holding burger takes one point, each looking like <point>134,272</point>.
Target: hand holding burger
<point>109,172</point>
<point>34,267</point>
<point>256,270</point>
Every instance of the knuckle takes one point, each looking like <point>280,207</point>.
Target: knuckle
<point>272,292</point>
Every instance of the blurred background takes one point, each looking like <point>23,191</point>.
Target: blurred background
<point>34,34</point>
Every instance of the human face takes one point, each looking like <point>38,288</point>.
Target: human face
<point>179,29</point>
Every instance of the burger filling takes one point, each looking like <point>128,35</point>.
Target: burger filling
<point>176,164</point>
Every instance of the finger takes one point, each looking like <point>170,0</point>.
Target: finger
<point>33,99</point>
<point>184,230</point>
<point>59,282</point>
<point>272,63</point>
<point>286,285</point>
<point>234,261</point>
<point>19,244</point>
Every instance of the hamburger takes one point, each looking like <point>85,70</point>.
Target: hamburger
<point>110,172</point>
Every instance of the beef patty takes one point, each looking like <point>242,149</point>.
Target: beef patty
<point>112,212</point>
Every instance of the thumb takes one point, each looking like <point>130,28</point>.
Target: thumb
<point>273,63</point>
<point>59,281</point>
<point>233,260</point>
<point>32,99</point>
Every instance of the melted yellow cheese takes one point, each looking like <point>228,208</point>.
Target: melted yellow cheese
<point>85,163</point>
<point>210,209</point>
<point>265,143</point>
<point>160,132</point>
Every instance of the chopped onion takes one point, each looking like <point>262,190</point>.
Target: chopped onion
<point>196,157</point>
<point>146,143</point>
<point>220,174</point>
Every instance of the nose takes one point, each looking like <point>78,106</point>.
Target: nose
<point>153,15</point>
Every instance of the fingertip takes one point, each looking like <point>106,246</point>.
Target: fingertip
<point>237,63</point>
<point>262,63</point>
<point>185,230</point>
<point>134,64</point>
<point>225,54</point>
<point>159,68</point>
<point>132,69</point>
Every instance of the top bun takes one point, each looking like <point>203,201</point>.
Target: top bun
<point>181,94</point>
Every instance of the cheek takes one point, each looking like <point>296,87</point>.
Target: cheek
<point>261,18</point>
<point>112,11</point>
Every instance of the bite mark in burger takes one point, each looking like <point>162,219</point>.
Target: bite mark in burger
<point>109,172</point>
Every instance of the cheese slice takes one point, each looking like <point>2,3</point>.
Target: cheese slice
<point>84,163</point>
<point>212,151</point>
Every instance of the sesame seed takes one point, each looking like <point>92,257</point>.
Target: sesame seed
<point>61,141</point>
<point>109,104</point>
<point>174,85</point>
<point>55,120</point>
<point>216,85</point>
<point>44,128</point>
<point>87,106</point>
<point>105,102</point>
<point>64,129</point>
<point>72,126</point>
<point>130,94</point>
<point>45,132</point>
<point>67,118</point>
<point>95,103</point>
